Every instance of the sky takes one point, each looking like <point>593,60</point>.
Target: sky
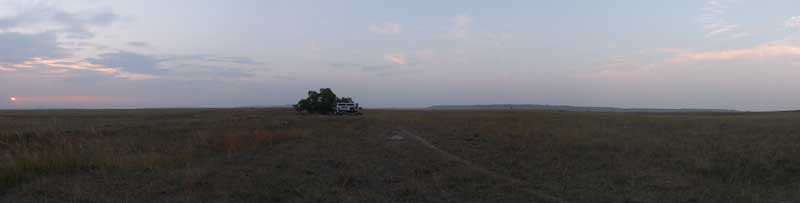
<point>725,54</point>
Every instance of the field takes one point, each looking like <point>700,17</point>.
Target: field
<point>262,155</point>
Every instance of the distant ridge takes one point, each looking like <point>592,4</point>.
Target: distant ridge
<point>567,108</point>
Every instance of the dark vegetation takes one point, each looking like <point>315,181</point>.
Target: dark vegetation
<point>251,155</point>
<point>322,102</point>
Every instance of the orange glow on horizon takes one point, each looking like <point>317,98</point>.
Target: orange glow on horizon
<point>72,101</point>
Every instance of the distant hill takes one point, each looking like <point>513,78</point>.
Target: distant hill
<point>566,108</point>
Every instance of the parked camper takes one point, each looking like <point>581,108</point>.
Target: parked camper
<point>347,109</point>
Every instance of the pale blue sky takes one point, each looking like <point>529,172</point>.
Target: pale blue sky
<point>739,54</point>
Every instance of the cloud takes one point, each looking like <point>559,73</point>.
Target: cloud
<point>178,66</point>
<point>375,68</point>
<point>212,58</point>
<point>37,37</point>
<point>721,29</point>
<point>609,75</point>
<point>362,67</point>
<point>760,53</point>
<point>396,61</point>
<point>22,13</point>
<point>139,44</point>
<point>232,59</point>
<point>793,23</point>
<point>31,38</point>
<point>714,24</point>
<point>17,47</point>
<point>42,54</point>
<point>651,64</point>
<point>68,68</point>
<point>43,16</point>
<point>285,77</point>
<point>497,36</point>
<point>400,72</point>
<point>412,58</point>
<point>77,26</point>
<point>753,78</point>
<point>63,66</point>
<point>378,70</point>
<point>129,61</point>
<point>386,28</point>
<point>640,60</point>
<point>197,71</point>
<point>345,65</point>
<point>399,59</point>
<point>461,27</point>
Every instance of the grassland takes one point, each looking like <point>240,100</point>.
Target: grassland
<point>250,155</point>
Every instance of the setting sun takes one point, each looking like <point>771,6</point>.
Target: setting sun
<point>13,99</point>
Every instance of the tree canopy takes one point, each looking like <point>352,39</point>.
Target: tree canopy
<point>322,102</point>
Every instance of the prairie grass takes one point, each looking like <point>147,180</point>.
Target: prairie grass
<point>240,155</point>
<point>235,142</point>
<point>667,157</point>
<point>38,143</point>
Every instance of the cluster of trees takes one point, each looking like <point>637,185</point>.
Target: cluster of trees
<point>322,102</point>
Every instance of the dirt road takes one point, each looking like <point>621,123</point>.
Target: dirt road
<point>521,184</point>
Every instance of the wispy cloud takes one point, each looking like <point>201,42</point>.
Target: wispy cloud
<point>714,24</point>
<point>39,37</point>
<point>136,66</point>
<point>345,65</point>
<point>386,28</point>
<point>199,66</point>
<point>285,77</point>
<point>19,47</point>
<point>398,64</point>
<point>210,58</point>
<point>399,59</point>
<point>793,23</point>
<point>64,67</point>
<point>363,67</point>
<point>760,53</point>
<point>638,65</point>
<point>460,28</point>
<point>412,58</point>
<point>400,72</point>
<point>129,61</point>
<point>375,68</point>
<point>639,59</point>
<point>211,72</point>
<point>138,44</point>
<point>45,16</point>
<point>609,75</point>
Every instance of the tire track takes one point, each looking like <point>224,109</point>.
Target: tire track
<point>516,181</point>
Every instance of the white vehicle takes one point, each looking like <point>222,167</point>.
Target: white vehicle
<point>347,108</point>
